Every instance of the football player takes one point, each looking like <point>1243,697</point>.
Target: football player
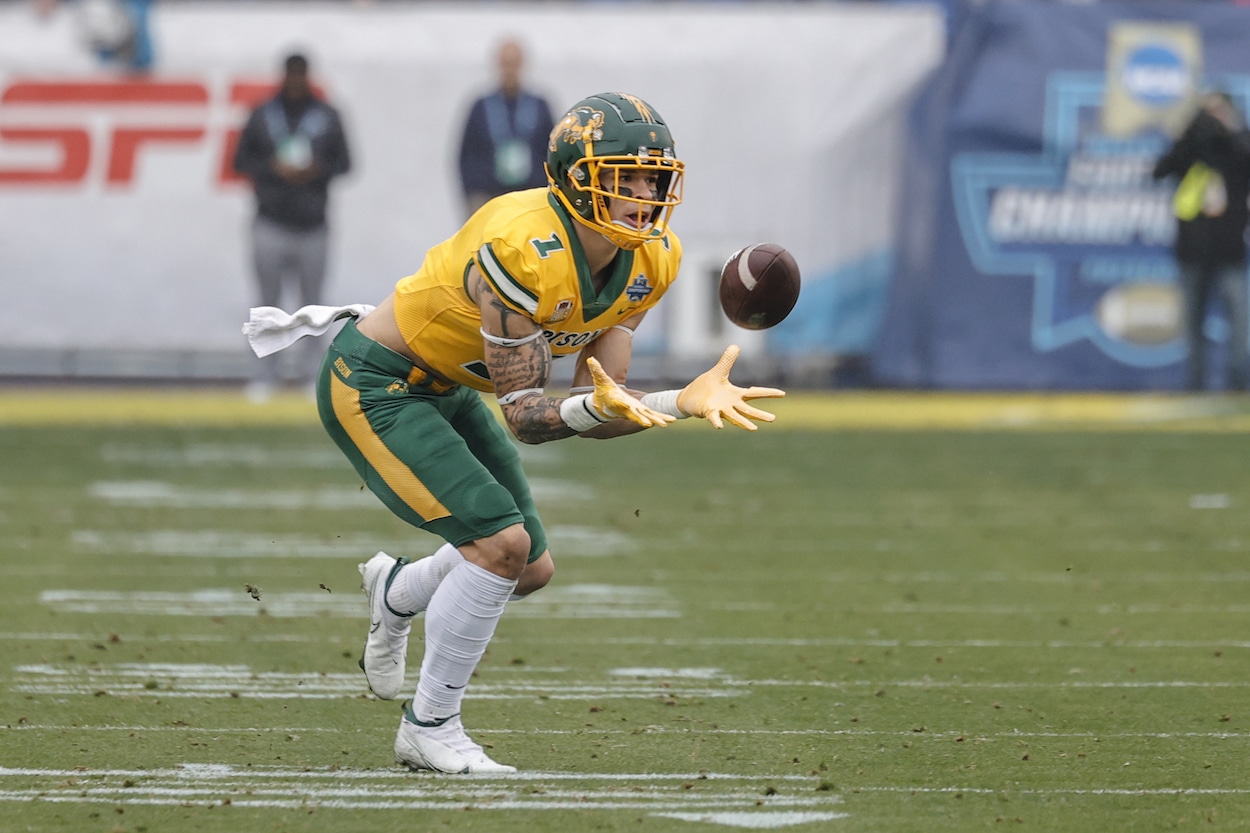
<point>570,269</point>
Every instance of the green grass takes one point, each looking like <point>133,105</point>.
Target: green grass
<point>924,631</point>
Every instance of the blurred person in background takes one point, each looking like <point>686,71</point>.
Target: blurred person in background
<point>504,142</point>
<point>291,147</point>
<point>1212,161</point>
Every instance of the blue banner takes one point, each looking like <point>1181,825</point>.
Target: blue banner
<point>1035,246</point>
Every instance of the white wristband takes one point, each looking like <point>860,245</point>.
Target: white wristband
<point>579,414</point>
<point>509,342</point>
<point>664,401</point>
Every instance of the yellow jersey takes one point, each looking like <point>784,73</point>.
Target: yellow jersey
<point>525,245</point>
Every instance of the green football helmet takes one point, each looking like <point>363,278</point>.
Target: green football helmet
<point>598,139</point>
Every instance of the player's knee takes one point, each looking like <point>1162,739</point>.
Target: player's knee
<point>537,575</point>
<point>503,553</point>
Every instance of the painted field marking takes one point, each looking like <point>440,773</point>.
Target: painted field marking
<point>745,642</point>
<point>575,601</point>
<point>591,732</point>
<point>569,541</point>
<point>161,493</point>
<point>331,639</point>
<point>209,680</point>
<point>171,680</point>
<point>696,796</point>
<point>994,577</point>
<point>205,603</point>
<point>754,820</point>
<point>1144,792</point>
<point>759,801</point>
<point>570,601</point>
<point>204,455</point>
<point>324,456</point>
<point>1011,644</point>
<point>1151,608</point>
<point>573,541</point>
<point>216,543</point>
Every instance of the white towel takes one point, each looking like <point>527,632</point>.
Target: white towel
<point>270,329</point>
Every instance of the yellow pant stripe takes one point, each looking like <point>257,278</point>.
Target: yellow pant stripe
<point>394,473</point>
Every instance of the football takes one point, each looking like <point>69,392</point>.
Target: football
<point>759,285</point>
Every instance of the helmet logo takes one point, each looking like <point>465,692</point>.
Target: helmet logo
<point>580,125</point>
<point>644,109</point>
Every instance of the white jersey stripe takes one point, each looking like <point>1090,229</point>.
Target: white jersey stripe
<point>504,283</point>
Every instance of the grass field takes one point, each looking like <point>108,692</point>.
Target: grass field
<point>883,614</point>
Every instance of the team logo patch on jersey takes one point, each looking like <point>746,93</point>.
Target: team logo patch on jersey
<point>638,289</point>
<point>564,308</point>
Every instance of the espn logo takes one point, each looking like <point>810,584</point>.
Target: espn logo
<point>78,132</point>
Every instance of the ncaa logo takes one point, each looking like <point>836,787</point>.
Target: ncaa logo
<point>1155,75</point>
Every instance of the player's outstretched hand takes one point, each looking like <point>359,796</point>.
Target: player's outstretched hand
<point>611,400</point>
<point>712,396</point>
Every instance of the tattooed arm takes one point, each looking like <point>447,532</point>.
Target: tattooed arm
<point>519,373</point>
<point>519,361</point>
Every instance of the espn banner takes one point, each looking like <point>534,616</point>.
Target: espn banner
<point>1035,246</point>
<point>124,233</point>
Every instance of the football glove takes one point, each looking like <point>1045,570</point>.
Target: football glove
<point>712,396</point>
<point>611,400</point>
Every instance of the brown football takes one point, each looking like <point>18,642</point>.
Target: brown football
<point>759,285</point>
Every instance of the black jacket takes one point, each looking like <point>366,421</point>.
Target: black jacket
<point>298,206</point>
<point>1212,241</point>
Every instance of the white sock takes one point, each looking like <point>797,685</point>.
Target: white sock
<point>459,624</point>
<point>415,583</point>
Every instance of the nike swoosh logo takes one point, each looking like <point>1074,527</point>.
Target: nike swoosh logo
<point>373,626</point>
<point>454,687</point>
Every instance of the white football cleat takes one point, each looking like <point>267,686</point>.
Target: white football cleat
<point>443,748</point>
<point>386,648</point>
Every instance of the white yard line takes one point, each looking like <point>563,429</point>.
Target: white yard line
<point>327,497</point>
<point>654,730</point>
<point>569,541</point>
<point>569,601</point>
<point>1067,579</point>
<point>759,801</point>
<point>203,455</point>
<point>173,680</point>
<point>733,642</point>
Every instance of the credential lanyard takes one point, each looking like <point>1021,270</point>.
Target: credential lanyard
<point>311,122</point>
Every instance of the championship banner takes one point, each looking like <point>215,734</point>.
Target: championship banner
<point>1037,250</point>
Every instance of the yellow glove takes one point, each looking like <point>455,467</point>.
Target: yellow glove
<point>611,400</point>
<point>712,396</point>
